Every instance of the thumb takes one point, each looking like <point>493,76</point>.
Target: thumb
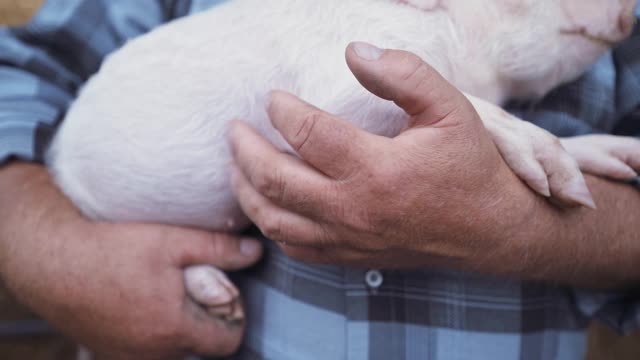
<point>409,82</point>
<point>224,251</point>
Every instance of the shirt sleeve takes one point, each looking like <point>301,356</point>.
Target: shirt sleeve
<point>43,64</point>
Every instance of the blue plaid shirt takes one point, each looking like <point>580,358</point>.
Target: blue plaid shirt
<point>298,311</point>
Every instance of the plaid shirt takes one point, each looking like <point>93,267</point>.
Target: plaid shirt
<point>298,311</point>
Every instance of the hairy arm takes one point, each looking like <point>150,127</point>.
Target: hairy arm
<point>583,247</point>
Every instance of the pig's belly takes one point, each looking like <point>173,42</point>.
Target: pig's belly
<point>145,140</point>
<point>121,161</point>
<point>147,163</point>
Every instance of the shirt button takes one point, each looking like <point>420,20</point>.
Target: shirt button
<point>374,279</point>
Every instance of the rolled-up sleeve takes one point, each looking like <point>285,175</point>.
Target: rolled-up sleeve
<point>43,64</point>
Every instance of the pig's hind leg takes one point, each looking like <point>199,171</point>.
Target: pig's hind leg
<point>210,288</point>
<point>614,157</point>
<point>535,155</point>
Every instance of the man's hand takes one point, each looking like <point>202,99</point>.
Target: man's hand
<point>116,288</point>
<point>439,194</point>
<point>375,201</point>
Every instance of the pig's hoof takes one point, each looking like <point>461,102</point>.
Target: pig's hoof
<point>211,288</point>
<point>231,312</point>
<point>609,156</point>
<point>539,159</point>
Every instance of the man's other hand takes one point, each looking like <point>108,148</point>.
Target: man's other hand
<point>117,289</point>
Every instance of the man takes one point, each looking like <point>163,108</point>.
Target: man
<point>118,288</point>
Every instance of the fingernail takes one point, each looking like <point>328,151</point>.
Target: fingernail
<point>250,247</point>
<point>367,51</point>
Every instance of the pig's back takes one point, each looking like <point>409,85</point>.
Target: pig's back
<point>145,140</point>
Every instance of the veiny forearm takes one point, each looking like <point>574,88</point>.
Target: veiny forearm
<point>577,246</point>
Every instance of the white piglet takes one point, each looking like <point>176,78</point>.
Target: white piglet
<point>145,140</point>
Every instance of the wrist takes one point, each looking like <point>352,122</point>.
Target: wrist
<point>510,237</point>
<point>533,239</point>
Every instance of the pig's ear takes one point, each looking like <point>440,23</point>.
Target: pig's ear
<point>427,5</point>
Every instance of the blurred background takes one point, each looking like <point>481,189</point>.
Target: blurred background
<point>24,337</point>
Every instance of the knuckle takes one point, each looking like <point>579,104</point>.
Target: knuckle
<point>555,142</point>
<point>382,175</point>
<point>271,185</point>
<point>271,227</point>
<point>420,80</point>
<point>541,135</point>
<point>220,248</point>
<point>379,226</point>
<point>363,221</point>
<point>323,237</point>
<point>545,142</point>
<point>253,209</point>
<point>414,68</point>
<point>261,181</point>
<point>305,128</point>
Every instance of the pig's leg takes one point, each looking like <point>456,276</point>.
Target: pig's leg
<point>535,155</point>
<point>212,289</point>
<point>610,156</point>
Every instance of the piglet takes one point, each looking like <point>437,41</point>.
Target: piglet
<point>145,139</point>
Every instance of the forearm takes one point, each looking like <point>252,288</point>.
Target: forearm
<point>30,207</point>
<point>593,248</point>
<point>53,260</point>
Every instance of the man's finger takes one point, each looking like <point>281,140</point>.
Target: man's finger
<point>276,223</point>
<point>331,145</point>
<point>408,81</point>
<point>193,247</point>
<point>284,179</point>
